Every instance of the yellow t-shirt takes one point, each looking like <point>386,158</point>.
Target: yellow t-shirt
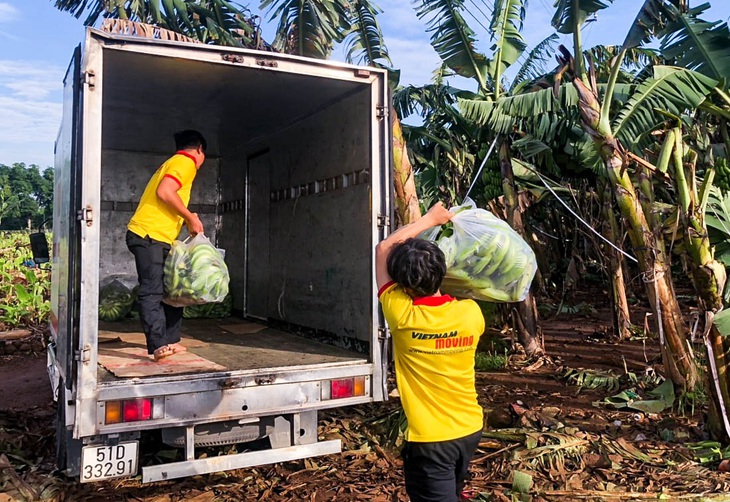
<point>155,218</point>
<point>434,341</point>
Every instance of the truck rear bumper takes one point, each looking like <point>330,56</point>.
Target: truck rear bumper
<point>249,459</point>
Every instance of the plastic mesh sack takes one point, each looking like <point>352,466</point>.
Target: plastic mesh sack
<point>195,273</point>
<point>485,258</point>
<point>117,294</point>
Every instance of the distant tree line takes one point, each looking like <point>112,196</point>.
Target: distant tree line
<point>26,196</point>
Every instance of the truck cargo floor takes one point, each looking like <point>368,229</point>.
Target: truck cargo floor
<point>230,344</point>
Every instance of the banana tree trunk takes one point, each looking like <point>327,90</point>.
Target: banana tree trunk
<point>708,278</point>
<point>620,310</point>
<point>524,313</point>
<point>406,199</point>
<point>649,249</point>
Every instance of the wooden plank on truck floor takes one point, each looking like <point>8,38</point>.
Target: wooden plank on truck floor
<point>127,362</point>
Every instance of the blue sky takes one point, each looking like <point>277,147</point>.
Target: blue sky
<point>36,42</point>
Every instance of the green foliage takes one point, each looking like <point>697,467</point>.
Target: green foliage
<point>490,361</point>
<point>507,19</point>
<point>453,39</point>
<point>699,45</point>
<point>689,401</point>
<point>26,195</point>
<point>708,451</point>
<point>309,28</point>
<point>24,292</point>
<point>365,44</point>
<point>651,19</point>
<point>219,22</point>
<point>534,67</point>
<point>569,14</point>
<point>669,89</point>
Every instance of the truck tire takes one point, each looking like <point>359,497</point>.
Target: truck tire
<point>220,433</point>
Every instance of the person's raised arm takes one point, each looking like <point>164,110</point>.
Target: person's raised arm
<point>167,192</point>
<point>437,215</point>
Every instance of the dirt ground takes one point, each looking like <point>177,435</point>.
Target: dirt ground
<point>536,424</point>
<point>24,382</point>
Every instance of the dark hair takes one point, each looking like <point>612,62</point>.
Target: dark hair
<point>418,265</point>
<point>189,138</point>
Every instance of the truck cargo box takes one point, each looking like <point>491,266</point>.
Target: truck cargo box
<point>295,189</point>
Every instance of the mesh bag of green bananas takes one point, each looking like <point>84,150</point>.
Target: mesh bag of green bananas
<point>117,294</point>
<point>485,258</point>
<point>195,273</point>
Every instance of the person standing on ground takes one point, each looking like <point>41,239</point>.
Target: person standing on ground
<point>154,226</point>
<point>434,342</point>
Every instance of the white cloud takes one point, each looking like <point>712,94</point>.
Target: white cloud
<point>28,121</point>
<point>8,13</point>
<point>36,76</point>
<point>30,107</point>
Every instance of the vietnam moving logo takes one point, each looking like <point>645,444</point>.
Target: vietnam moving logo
<point>449,340</point>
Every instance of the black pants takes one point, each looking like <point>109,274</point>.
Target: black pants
<point>435,472</point>
<point>160,321</point>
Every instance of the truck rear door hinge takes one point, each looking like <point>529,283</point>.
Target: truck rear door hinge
<point>267,63</point>
<point>86,214</point>
<point>382,333</point>
<point>84,355</point>
<point>89,78</point>
<point>380,111</point>
<point>383,221</point>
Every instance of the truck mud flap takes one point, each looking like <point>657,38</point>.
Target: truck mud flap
<point>228,462</point>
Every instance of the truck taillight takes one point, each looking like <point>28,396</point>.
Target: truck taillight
<point>130,410</point>
<point>343,387</point>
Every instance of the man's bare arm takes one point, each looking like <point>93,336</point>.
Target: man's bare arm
<point>437,215</point>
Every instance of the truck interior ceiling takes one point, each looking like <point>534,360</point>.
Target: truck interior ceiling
<point>285,191</point>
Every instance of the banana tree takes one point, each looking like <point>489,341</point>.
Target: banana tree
<point>309,27</point>
<point>671,89</point>
<point>450,143</point>
<point>695,43</point>
<point>364,44</point>
<point>220,22</point>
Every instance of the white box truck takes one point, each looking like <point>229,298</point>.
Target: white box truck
<point>295,188</point>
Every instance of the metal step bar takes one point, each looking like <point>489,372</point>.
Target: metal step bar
<point>227,462</point>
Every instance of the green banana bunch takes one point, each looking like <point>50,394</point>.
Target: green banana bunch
<point>209,310</point>
<point>492,179</point>
<point>722,175</point>
<point>195,275</point>
<point>114,306</point>
<point>486,259</point>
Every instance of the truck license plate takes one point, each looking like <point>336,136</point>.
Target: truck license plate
<point>104,462</point>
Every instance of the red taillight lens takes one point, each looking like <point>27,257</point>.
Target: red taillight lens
<point>342,388</point>
<point>137,409</point>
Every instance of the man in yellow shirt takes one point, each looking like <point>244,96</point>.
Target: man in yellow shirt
<point>434,341</point>
<point>154,226</point>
